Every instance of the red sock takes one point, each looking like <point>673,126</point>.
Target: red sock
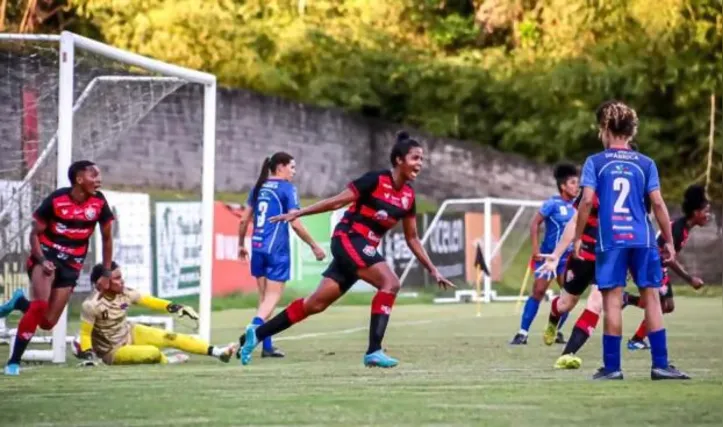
<point>642,332</point>
<point>383,302</point>
<point>295,311</point>
<point>587,321</point>
<point>32,318</point>
<point>553,309</point>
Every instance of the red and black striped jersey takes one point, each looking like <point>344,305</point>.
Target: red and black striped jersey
<point>378,207</point>
<point>680,231</point>
<point>68,224</point>
<point>589,235</point>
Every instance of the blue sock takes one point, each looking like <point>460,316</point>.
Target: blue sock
<point>611,352</point>
<point>659,348</point>
<point>563,318</point>
<point>267,343</point>
<point>529,313</point>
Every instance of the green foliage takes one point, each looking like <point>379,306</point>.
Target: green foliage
<point>519,75</point>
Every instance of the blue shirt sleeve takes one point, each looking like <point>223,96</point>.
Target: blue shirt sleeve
<point>589,178</point>
<point>291,198</point>
<point>652,180</point>
<point>547,208</point>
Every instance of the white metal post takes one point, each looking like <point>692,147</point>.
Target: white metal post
<point>65,154</point>
<point>488,249</point>
<point>207,201</point>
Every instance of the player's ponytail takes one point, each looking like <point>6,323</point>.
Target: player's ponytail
<point>263,176</point>
<point>402,146</point>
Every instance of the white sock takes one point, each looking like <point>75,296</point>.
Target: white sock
<point>217,351</point>
<point>523,332</point>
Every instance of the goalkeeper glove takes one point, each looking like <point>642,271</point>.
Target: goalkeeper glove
<point>182,311</point>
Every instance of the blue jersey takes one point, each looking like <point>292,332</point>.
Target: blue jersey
<point>557,213</point>
<point>276,197</point>
<point>622,179</point>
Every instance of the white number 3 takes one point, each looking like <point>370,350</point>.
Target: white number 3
<point>261,214</point>
<point>623,186</point>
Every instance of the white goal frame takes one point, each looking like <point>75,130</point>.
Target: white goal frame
<point>63,139</point>
<point>489,252</point>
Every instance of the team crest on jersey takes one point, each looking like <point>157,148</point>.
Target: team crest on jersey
<point>570,275</point>
<point>90,213</point>
<point>381,215</point>
<point>405,202</point>
<point>369,250</point>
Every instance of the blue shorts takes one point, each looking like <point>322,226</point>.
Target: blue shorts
<point>274,266</point>
<point>644,264</point>
<point>561,266</point>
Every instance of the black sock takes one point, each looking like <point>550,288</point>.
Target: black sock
<point>554,320</point>
<point>209,352</point>
<point>242,340</point>
<point>578,338</point>
<point>18,349</point>
<point>277,324</point>
<point>22,304</point>
<point>377,327</point>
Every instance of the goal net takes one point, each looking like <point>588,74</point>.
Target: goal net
<point>66,98</point>
<point>488,239</point>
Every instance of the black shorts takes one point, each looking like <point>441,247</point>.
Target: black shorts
<point>65,275</point>
<point>350,252</point>
<point>666,290</point>
<point>579,274</point>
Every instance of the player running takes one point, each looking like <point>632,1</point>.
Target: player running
<point>271,259</point>
<point>696,210</point>
<point>623,179</point>
<point>106,332</point>
<point>62,226</point>
<point>556,212</point>
<point>379,200</point>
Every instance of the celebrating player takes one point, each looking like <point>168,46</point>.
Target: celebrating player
<point>696,210</point>
<point>271,260</point>
<point>106,332</point>
<point>379,200</point>
<point>555,212</point>
<point>59,239</point>
<point>623,179</point>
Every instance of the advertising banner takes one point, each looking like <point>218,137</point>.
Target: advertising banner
<point>230,274</point>
<point>446,246</point>
<point>178,248</point>
<point>14,237</point>
<point>396,252</point>
<point>306,270</point>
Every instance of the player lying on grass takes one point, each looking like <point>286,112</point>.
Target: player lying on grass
<point>625,181</point>
<point>378,201</point>
<point>556,212</point>
<point>696,213</point>
<point>106,332</point>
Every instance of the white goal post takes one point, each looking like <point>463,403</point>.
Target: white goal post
<point>512,219</point>
<point>60,145</point>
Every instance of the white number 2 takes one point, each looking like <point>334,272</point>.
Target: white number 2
<point>623,186</point>
<point>261,214</point>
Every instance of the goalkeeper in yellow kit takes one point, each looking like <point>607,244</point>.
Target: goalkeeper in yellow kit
<point>106,332</point>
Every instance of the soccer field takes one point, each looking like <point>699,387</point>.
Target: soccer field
<point>455,369</point>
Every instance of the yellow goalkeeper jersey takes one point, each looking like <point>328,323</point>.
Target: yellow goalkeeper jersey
<point>108,315</point>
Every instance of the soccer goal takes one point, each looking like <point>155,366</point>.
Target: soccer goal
<point>496,251</point>
<point>66,98</point>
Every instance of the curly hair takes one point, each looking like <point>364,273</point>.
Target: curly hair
<point>617,118</point>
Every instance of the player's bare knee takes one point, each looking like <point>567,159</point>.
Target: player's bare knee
<point>538,292</point>
<point>314,305</point>
<point>391,285</point>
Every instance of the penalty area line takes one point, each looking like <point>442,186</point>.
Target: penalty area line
<point>350,330</point>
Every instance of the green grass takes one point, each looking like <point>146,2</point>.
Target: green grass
<point>456,370</point>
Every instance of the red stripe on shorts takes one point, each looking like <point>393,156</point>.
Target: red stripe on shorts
<point>349,248</point>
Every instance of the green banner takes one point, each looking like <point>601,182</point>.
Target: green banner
<point>305,269</point>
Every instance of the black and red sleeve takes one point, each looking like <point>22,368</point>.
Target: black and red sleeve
<point>45,212</point>
<point>106,214</point>
<point>364,185</point>
<point>413,209</point>
<point>576,202</point>
<point>679,234</point>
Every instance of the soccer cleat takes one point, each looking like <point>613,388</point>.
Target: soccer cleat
<point>12,369</point>
<point>9,305</point>
<point>519,339</point>
<point>559,338</point>
<point>228,352</point>
<point>669,373</point>
<point>636,344</point>
<point>177,358</point>
<point>568,361</point>
<point>602,374</point>
<point>548,337</point>
<point>249,345</point>
<point>379,359</point>
<point>273,352</point>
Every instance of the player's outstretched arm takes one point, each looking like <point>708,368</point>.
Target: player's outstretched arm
<point>159,304</point>
<point>415,245</point>
<point>663,218</point>
<point>567,237</point>
<point>304,235</point>
<point>332,203</point>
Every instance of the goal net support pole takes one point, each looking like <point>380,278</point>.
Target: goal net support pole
<point>68,43</point>
<point>489,251</point>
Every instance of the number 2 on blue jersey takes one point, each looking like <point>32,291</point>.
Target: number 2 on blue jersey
<point>621,185</point>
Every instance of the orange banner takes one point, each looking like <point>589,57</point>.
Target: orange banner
<point>474,230</point>
<point>230,275</point>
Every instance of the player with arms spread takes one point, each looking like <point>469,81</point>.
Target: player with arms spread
<point>59,241</point>
<point>556,212</point>
<point>696,210</point>
<point>271,260</point>
<point>106,332</point>
<point>379,200</point>
<point>623,179</point>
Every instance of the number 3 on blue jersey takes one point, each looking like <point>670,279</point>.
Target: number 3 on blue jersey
<point>261,210</point>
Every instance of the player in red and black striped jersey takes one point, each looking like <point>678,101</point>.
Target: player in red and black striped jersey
<point>62,226</point>
<point>696,210</point>
<point>378,201</point>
